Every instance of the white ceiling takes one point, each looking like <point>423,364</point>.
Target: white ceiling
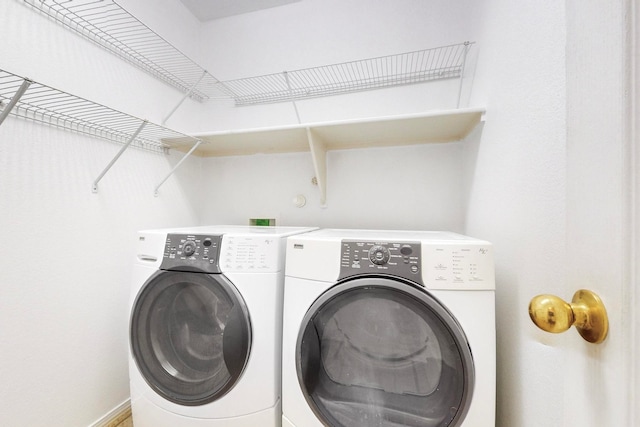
<point>207,10</point>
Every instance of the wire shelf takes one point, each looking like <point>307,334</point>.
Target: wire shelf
<point>444,62</point>
<point>43,104</point>
<point>106,23</point>
<point>109,25</point>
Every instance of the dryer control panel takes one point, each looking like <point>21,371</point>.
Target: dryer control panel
<point>402,259</point>
<point>191,252</point>
<point>458,266</point>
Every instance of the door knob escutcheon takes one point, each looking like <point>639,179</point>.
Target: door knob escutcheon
<point>586,312</point>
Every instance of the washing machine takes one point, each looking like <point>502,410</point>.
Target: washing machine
<point>206,326</point>
<point>388,328</point>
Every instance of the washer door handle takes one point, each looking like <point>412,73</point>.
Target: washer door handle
<point>586,312</point>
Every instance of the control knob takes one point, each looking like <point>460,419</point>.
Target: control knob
<point>189,248</point>
<point>379,255</point>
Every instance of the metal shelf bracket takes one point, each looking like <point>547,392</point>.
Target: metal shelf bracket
<point>94,188</point>
<point>186,95</point>
<point>14,100</point>
<point>198,142</point>
<point>467,46</point>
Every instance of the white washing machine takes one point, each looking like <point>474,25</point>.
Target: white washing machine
<point>206,326</point>
<point>388,328</point>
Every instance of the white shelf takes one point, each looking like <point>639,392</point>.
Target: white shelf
<point>318,138</point>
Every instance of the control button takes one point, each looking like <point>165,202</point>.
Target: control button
<point>207,242</point>
<point>414,268</point>
<point>379,255</point>
<point>189,248</point>
<point>406,250</point>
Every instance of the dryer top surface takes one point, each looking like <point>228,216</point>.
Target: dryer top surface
<point>386,235</point>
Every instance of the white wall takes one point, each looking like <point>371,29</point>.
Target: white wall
<point>314,33</point>
<point>373,188</point>
<point>67,253</point>
<point>424,185</point>
<point>506,183</point>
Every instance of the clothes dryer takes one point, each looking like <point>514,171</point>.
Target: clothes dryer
<point>206,325</point>
<point>388,328</point>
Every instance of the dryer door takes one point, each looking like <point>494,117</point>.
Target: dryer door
<point>376,351</point>
<point>190,336</point>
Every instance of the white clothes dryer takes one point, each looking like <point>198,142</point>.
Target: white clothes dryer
<point>206,326</point>
<point>388,328</point>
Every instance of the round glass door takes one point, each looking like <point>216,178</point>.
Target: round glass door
<point>380,352</point>
<point>190,336</point>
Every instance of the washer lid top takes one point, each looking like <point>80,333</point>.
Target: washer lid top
<point>239,230</point>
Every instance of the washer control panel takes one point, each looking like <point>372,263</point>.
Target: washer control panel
<point>191,252</point>
<point>402,259</point>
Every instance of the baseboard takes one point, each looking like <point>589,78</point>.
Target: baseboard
<point>114,416</point>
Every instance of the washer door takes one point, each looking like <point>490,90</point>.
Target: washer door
<point>190,336</point>
<point>376,351</point>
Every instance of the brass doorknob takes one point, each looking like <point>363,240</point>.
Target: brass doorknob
<point>586,312</point>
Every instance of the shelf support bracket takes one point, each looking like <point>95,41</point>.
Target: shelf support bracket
<point>155,192</point>
<point>293,100</point>
<point>186,95</point>
<point>319,156</point>
<point>14,100</point>
<point>467,46</point>
<point>94,188</point>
